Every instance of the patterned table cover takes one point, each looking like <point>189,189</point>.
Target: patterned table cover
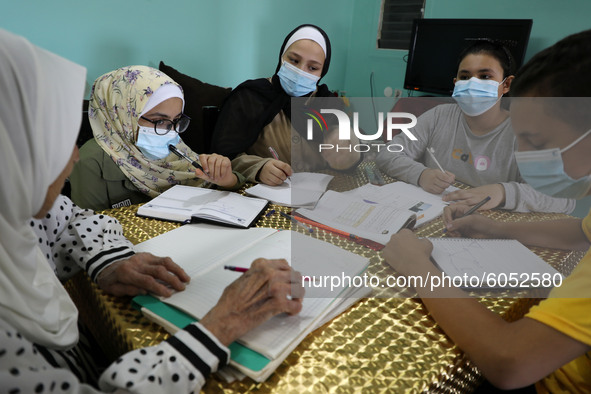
<point>381,344</point>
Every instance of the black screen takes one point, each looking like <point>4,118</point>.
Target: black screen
<point>435,45</point>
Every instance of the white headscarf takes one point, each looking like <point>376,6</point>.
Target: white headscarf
<point>40,112</point>
<point>306,33</point>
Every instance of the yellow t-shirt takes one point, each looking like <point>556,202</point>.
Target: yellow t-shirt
<point>568,310</point>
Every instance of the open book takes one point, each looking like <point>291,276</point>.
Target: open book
<point>304,189</point>
<point>202,250</point>
<point>359,217</point>
<point>492,263</point>
<point>402,195</point>
<point>195,204</point>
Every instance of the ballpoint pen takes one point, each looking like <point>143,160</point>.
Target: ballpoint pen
<point>180,154</point>
<point>296,222</point>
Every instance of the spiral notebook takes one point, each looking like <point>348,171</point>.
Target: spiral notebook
<point>497,263</point>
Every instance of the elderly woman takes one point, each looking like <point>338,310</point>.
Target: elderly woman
<point>42,347</point>
<point>136,112</point>
<point>257,115</point>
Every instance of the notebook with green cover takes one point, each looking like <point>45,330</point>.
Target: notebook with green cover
<point>202,251</point>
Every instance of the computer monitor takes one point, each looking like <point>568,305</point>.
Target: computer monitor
<point>436,44</point>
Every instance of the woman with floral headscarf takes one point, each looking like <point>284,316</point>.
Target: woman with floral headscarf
<point>136,112</point>
<point>257,115</point>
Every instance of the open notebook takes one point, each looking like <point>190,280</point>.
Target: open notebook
<point>304,189</point>
<point>202,250</point>
<point>492,263</point>
<point>195,204</point>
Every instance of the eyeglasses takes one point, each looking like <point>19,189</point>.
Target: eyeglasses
<point>163,126</point>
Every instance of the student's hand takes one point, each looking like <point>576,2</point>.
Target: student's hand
<point>140,274</point>
<point>496,192</point>
<point>218,170</point>
<point>274,172</point>
<point>472,226</point>
<point>434,181</point>
<point>407,254</point>
<point>268,288</point>
<point>342,158</point>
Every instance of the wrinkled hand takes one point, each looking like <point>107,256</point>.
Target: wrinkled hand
<point>472,226</point>
<point>140,274</point>
<point>268,288</point>
<point>218,170</point>
<point>407,254</point>
<point>340,159</point>
<point>496,192</point>
<point>434,181</point>
<point>274,172</point>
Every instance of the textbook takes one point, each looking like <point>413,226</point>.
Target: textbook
<point>359,217</point>
<point>492,263</point>
<point>195,204</point>
<point>304,189</point>
<point>202,250</point>
<point>402,195</point>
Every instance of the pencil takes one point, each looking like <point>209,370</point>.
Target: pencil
<point>327,228</point>
<point>276,157</point>
<point>234,268</point>
<point>475,207</point>
<point>431,150</point>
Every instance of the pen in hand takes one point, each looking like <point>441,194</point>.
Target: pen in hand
<point>431,151</point>
<point>475,207</point>
<point>243,269</point>
<point>276,156</point>
<point>180,154</point>
<point>472,210</point>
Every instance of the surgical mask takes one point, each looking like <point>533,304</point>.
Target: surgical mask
<point>544,171</point>
<point>296,82</point>
<point>476,96</point>
<point>154,146</point>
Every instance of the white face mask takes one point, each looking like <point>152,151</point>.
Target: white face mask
<point>296,82</point>
<point>154,146</point>
<point>476,96</point>
<point>544,171</point>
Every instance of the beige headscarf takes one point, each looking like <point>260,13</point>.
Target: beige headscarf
<point>116,102</point>
<point>40,112</point>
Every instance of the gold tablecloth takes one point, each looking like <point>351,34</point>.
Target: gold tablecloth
<point>379,345</point>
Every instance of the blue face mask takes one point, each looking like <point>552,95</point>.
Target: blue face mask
<point>544,171</point>
<point>296,82</point>
<point>476,96</point>
<point>154,146</point>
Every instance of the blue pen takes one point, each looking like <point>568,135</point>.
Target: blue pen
<point>296,222</point>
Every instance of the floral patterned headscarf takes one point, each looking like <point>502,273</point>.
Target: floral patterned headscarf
<point>117,100</point>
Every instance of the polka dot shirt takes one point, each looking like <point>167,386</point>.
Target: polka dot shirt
<point>73,238</point>
<point>178,365</point>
